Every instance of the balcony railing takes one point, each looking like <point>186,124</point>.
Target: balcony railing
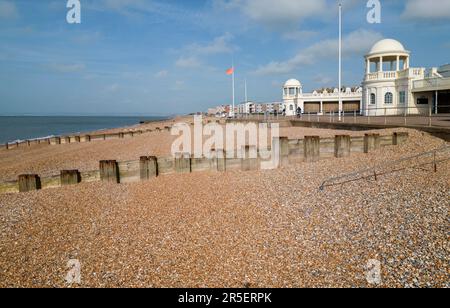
<point>392,75</point>
<point>432,84</point>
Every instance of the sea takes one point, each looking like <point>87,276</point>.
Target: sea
<point>17,128</point>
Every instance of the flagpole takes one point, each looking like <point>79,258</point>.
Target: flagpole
<point>234,102</point>
<point>246,94</point>
<point>340,62</point>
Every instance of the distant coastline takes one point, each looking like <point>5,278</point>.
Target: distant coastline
<point>18,128</point>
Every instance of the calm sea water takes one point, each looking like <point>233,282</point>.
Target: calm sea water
<point>22,128</point>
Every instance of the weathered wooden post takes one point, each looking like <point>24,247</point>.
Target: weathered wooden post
<point>109,171</point>
<point>70,177</point>
<point>85,138</point>
<point>29,182</point>
<point>167,128</point>
<point>371,142</point>
<point>183,163</point>
<point>342,144</point>
<point>66,140</point>
<point>148,167</point>
<point>219,161</point>
<point>7,145</point>
<point>55,140</point>
<point>399,138</point>
<point>284,151</point>
<point>312,149</point>
<point>249,160</point>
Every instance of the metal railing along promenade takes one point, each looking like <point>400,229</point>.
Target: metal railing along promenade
<point>429,160</point>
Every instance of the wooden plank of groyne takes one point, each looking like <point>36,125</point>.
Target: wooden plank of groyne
<point>148,167</point>
<point>183,163</point>
<point>249,160</point>
<point>357,144</point>
<point>312,148</point>
<point>29,182</point>
<point>9,187</point>
<point>220,161</point>
<point>342,144</point>
<point>90,176</point>
<point>55,140</point>
<point>70,177</point>
<point>166,165</point>
<point>399,138</point>
<point>85,138</point>
<point>371,142</point>
<point>74,139</point>
<point>284,151</point>
<point>109,171</point>
<point>326,147</point>
<point>200,164</point>
<point>7,146</point>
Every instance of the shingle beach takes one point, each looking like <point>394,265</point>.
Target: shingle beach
<point>236,229</point>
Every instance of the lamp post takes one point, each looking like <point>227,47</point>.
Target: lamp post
<point>340,62</point>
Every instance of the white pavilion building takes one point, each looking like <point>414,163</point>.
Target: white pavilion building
<point>392,87</point>
<point>320,101</point>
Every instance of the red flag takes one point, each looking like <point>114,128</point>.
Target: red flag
<point>230,71</point>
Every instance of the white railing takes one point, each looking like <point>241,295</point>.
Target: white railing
<point>343,94</point>
<point>381,76</point>
<point>432,83</point>
<point>390,75</point>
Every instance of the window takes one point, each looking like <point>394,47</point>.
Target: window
<point>291,108</point>
<point>422,101</point>
<point>292,91</point>
<point>285,91</point>
<point>388,98</point>
<point>402,97</point>
<point>373,99</point>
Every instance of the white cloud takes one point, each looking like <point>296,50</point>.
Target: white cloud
<point>426,9</point>
<point>298,35</point>
<point>194,52</point>
<point>112,88</point>
<point>8,10</point>
<point>323,80</point>
<point>219,45</point>
<point>188,62</point>
<point>356,43</point>
<point>87,37</point>
<point>162,74</point>
<point>277,13</point>
<point>67,68</point>
<point>179,85</point>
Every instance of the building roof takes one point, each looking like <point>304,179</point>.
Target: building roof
<point>293,83</point>
<point>444,70</point>
<point>387,46</point>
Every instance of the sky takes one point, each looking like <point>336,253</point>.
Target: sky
<point>165,57</point>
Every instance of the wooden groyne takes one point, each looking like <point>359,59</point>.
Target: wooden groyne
<point>311,149</point>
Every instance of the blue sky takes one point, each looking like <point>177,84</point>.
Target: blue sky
<point>154,57</point>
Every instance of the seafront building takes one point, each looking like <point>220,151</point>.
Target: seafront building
<point>320,101</point>
<point>390,87</point>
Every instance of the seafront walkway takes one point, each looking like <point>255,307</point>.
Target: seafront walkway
<point>437,121</point>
